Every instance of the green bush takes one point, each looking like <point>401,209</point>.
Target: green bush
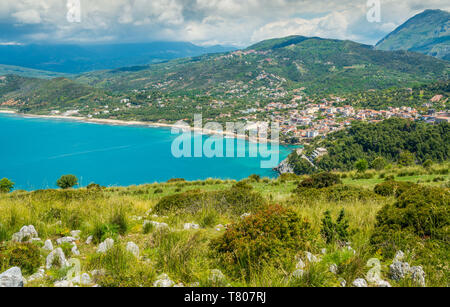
<point>393,188</point>
<point>321,180</point>
<point>421,213</point>
<point>67,181</point>
<point>239,199</point>
<point>336,193</point>
<point>335,232</point>
<point>270,236</point>
<point>26,256</point>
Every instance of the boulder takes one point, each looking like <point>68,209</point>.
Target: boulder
<point>75,233</point>
<point>418,275</point>
<point>74,249</point>
<point>333,268</point>
<point>382,284</point>
<point>298,273</point>
<point>40,274</point>
<point>188,226</point>
<point>133,248</point>
<point>105,246</point>
<point>56,257</point>
<point>63,284</point>
<point>65,240</point>
<point>11,278</point>
<point>311,258</point>
<point>26,232</point>
<point>157,225</point>
<point>300,264</point>
<point>399,270</point>
<point>399,256</point>
<point>359,283</point>
<point>217,277</point>
<point>243,216</point>
<point>48,245</point>
<point>163,281</point>
<point>89,240</point>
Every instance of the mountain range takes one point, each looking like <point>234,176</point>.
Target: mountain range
<point>427,32</point>
<point>75,59</point>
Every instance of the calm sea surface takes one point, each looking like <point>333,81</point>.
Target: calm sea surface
<point>35,152</point>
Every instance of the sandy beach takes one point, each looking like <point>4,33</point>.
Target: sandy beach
<point>118,122</point>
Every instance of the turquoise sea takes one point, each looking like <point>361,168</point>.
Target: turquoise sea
<point>35,152</point>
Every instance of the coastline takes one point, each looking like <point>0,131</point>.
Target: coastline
<point>118,122</point>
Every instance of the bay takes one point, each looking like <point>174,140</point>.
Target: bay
<point>35,152</point>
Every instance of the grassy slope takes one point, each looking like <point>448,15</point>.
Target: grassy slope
<point>185,255</point>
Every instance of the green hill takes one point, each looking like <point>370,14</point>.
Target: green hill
<point>319,65</point>
<point>31,95</point>
<point>29,72</point>
<point>427,32</point>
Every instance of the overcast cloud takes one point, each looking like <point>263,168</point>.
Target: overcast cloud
<point>208,22</point>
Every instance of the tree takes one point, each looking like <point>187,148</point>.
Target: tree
<point>362,165</point>
<point>67,181</point>
<point>406,158</point>
<point>379,163</point>
<point>6,185</point>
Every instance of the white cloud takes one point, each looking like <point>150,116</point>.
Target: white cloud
<point>238,22</point>
<point>28,16</point>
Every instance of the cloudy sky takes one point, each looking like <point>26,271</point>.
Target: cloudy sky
<point>205,22</point>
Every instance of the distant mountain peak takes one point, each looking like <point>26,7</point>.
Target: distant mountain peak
<point>427,32</point>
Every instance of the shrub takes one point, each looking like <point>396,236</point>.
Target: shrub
<point>94,186</point>
<point>67,181</point>
<point>120,221</point>
<point>392,188</point>
<point>23,255</point>
<point>6,185</point>
<point>321,180</point>
<point>269,236</point>
<point>158,191</point>
<point>254,177</point>
<point>420,214</point>
<point>336,193</point>
<point>362,165</point>
<point>406,158</point>
<point>176,180</point>
<point>104,231</point>
<point>335,231</point>
<point>379,163</point>
<point>239,199</point>
<point>427,164</point>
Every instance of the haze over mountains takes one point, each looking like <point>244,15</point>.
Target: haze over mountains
<point>427,32</point>
<point>74,59</point>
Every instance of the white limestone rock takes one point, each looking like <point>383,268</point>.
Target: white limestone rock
<point>311,258</point>
<point>217,277</point>
<point>48,245</point>
<point>74,249</point>
<point>382,284</point>
<point>105,245</point>
<point>188,226</point>
<point>418,275</point>
<point>89,240</point>
<point>65,240</point>
<point>399,270</point>
<point>333,268</point>
<point>163,281</point>
<point>360,283</point>
<point>11,278</point>
<point>75,233</point>
<point>298,273</point>
<point>133,248</point>
<point>243,216</point>
<point>56,257</point>
<point>26,232</point>
<point>157,225</point>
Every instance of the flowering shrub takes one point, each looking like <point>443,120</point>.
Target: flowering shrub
<point>266,237</point>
